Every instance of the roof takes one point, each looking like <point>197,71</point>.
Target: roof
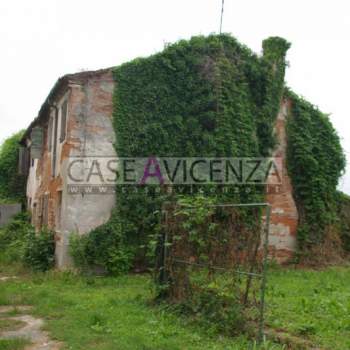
<point>60,85</point>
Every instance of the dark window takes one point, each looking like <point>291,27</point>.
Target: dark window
<point>40,212</point>
<point>64,109</point>
<point>59,210</point>
<point>34,217</point>
<point>36,147</point>
<point>54,151</point>
<point>45,210</point>
<point>23,165</point>
<point>49,135</point>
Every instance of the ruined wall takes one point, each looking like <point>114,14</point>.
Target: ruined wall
<point>284,214</point>
<point>42,186</point>
<point>90,134</point>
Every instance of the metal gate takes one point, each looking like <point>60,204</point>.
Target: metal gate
<point>251,265</point>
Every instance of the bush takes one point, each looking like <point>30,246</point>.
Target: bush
<point>12,185</point>
<point>102,247</point>
<point>343,202</point>
<point>216,311</point>
<point>13,238</point>
<point>20,243</point>
<point>77,249</point>
<point>39,250</point>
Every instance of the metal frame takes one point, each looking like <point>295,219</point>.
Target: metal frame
<point>262,276</point>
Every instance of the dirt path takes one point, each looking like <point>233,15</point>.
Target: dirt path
<point>31,327</point>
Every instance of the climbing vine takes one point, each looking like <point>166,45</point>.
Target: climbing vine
<point>315,162</point>
<point>213,97</point>
<point>209,96</point>
<point>12,185</point>
<point>274,65</point>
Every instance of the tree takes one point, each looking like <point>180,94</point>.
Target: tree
<point>12,184</point>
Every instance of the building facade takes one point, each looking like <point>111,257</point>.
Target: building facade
<point>75,121</point>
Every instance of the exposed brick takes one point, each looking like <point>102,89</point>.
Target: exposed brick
<point>284,214</point>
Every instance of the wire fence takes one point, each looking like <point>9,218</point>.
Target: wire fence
<point>221,249</point>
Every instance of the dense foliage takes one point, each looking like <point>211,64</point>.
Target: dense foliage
<point>39,250</point>
<point>12,185</point>
<point>209,96</point>
<point>12,238</point>
<point>274,49</point>
<point>19,243</point>
<point>205,245</point>
<point>315,162</point>
<point>103,247</point>
<point>343,211</point>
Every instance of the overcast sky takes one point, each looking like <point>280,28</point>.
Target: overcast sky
<point>44,39</point>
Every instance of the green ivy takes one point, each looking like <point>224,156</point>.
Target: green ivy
<point>343,211</point>
<point>20,243</point>
<point>274,66</point>
<point>209,96</point>
<point>212,96</point>
<point>103,247</point>
<point>39,250</point>
<point>12,185</point>
<point>315,162</point>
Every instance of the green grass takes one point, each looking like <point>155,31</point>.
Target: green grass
<point>13,344</point>
<point>118,313</point>
<point>314,305</point>
<point>110,313</point>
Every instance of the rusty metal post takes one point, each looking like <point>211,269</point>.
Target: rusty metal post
<point>264,275</point>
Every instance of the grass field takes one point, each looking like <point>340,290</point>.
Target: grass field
<point>312,304</point>
<point>117,313</point>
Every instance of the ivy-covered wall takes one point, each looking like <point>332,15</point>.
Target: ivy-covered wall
<point>212,96</point>
<point>209,96</point>
<point>315,161</point>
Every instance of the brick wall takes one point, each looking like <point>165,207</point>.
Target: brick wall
<point>284,214</point>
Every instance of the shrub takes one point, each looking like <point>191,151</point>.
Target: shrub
<point>315,162</point>
<point>13,238</point>
<point>343,202</point>
<point>216,311</point>
<point>39,250</point>
<point>102,247</point>
<point>12,185</point>
<point>77,249</point>
<point>20,243</point>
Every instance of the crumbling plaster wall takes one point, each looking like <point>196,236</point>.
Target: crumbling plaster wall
<point>90,134</point>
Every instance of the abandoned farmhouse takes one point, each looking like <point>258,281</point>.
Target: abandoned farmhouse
<point>76,120</point>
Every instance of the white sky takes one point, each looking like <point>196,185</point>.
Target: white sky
<point>44,39</point>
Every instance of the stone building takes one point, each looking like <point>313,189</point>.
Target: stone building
<point>76,121</point>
